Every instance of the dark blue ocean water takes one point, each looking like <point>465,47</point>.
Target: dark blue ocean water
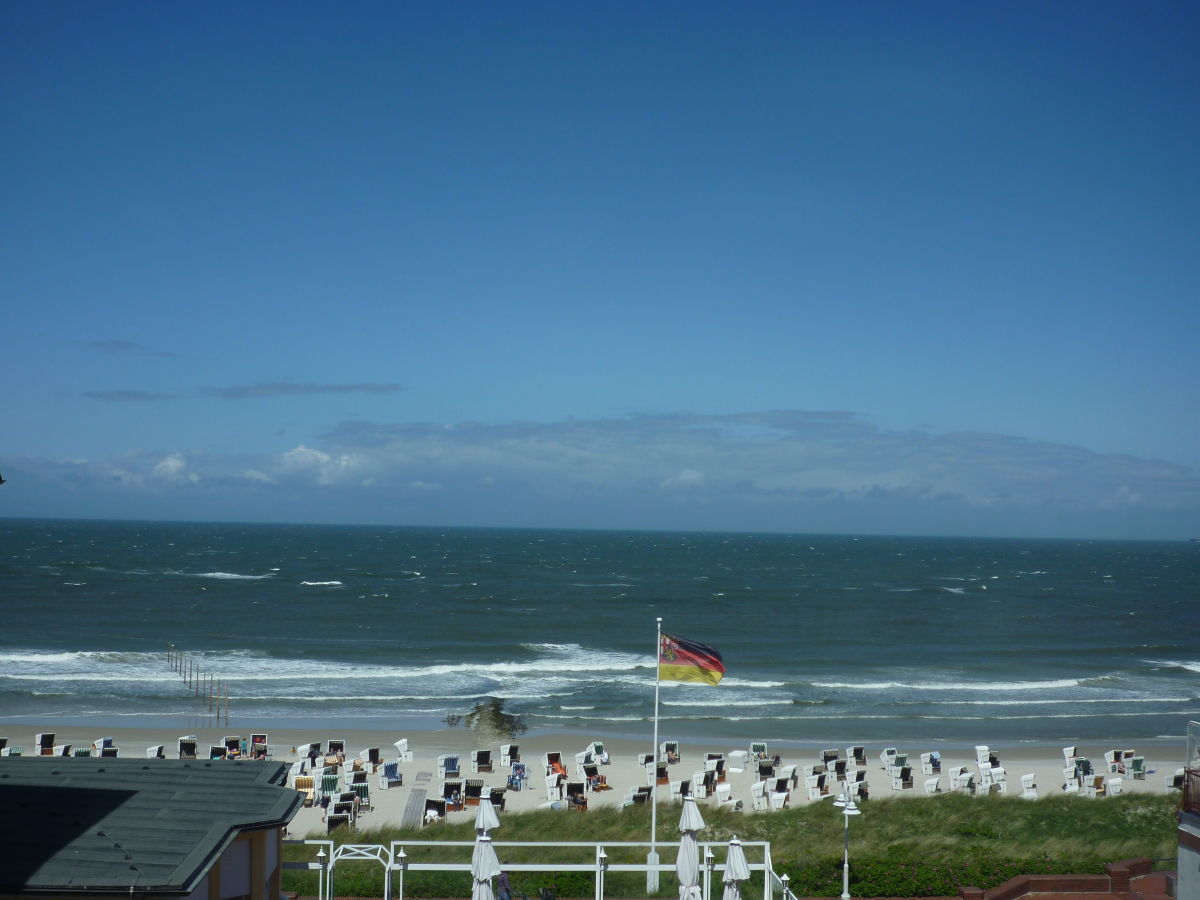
<point>826,639</point>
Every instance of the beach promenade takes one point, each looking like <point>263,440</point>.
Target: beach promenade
<point>422,776</point>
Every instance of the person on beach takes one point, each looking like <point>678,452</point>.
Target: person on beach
<point>313,755</point>
<point>324,806</point>
<point>503,888</point>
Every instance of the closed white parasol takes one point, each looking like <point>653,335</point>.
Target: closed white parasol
<point>687,863</point>
<point>737,870</point>
<point>484,867</point>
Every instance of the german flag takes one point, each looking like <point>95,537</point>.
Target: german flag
<point>683,660</point>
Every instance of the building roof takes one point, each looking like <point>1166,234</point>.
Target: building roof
<point>122,825</point>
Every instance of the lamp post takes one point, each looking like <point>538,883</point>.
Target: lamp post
<point>849,808</point>
<point>321,874</point>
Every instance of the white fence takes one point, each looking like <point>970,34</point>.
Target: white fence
<point>592,857</point>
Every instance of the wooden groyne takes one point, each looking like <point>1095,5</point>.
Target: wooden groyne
<point>205,686</point>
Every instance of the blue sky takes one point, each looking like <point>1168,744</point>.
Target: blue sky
<point>865,267</point>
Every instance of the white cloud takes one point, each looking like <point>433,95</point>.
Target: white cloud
<point>173,468</point>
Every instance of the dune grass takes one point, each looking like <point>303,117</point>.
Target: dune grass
<point>912,846</point>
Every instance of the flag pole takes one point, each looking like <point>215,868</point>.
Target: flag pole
<point>652,857</point>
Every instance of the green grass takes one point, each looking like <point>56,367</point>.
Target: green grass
<point>898,847</point>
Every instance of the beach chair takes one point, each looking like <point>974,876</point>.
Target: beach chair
<point>335,747</point>
<point>758,796</point>
<point>304,784</point>
<point>403,754</point>
<point>327,785</point>
<point>218,751</point>
<point>997,781</point>
<point>1114,786</point>
<point>738,759</point>
<point>933,785</point>
<point>1174,782</point>
<point>233,746</point>
<point>887,755</point>
<point>100,743</point>
<point>3,745</point>
<point>677,791</point>
<point>1070,780</point>
<point>931,763</point>
<point>472,791</point>
<point>964,782</point>
<point>813,784</point>
<point>576,796</point>
<point>1069,753</point>
<point>497,798</point>
<point>583,758</point>
<point>636,796</point>
<point>899,761</point>
<point>481,760</point>
<point>61,750</point>
<point>1127,758</point>
<point>554,786</point>
<point>1114,762</point>
<point>839,769</point>
<point>12,750</point>
<point>435,811</point>
<point>779,793</point>
<point>828,757</point>
<point>509,754</point>
<point>187,747</point>
<point>857,755</point>
<point>452,793</point>
<point>294,770</point>
<point>703,784</point>
<point>336,820</point>
<point>902,780</point>
<point>1029,789</point>
<point>43,741</point>
<point>448,766</point>
<point>645,759</point>
<point>599,753</point>
<point>80,752</point>
<point>259,747</point>
<point>391,776</point>
<point>1137,768</point>
<point>856,779</point>
<point>155,752</point>
<point>1094,786</point>
<point>659,774</point>
<point>789,772</point>
<point>518,778</point>
<point>370,759</point>
<point>758,750</point>
<point>110,752</point>
<point>669,750</point>
<point>363,791</point>
<point>724,797</point>
<point>553,763</point>
<point>765,769</point>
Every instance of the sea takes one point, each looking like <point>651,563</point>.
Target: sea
<point>827,640</point>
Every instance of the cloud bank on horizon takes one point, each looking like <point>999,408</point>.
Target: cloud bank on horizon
<point>795,471</point>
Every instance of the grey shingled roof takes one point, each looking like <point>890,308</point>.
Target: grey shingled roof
<point>106,825</point>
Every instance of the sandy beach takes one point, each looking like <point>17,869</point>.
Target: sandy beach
<point>622,773</point>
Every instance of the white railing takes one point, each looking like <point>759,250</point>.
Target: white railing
<point>592,857</point>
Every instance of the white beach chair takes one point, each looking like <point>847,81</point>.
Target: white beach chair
<point>933,785</point>
<point>448,766</point>
<point>887,755</point>
<point>1174,782</point>
<point>738,759</point>
<point>1070,780</point>
<point>758,750</point>
<point>931,763</point>
<point>1114,786</point>
<point>857,755</point>
<point>758,796</point>
<point>902,780</point>
<point>723,795</point>
<point>1029,789</point>
<point>509,754</point>
<point>155,752</point>
<point>403,754</point>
